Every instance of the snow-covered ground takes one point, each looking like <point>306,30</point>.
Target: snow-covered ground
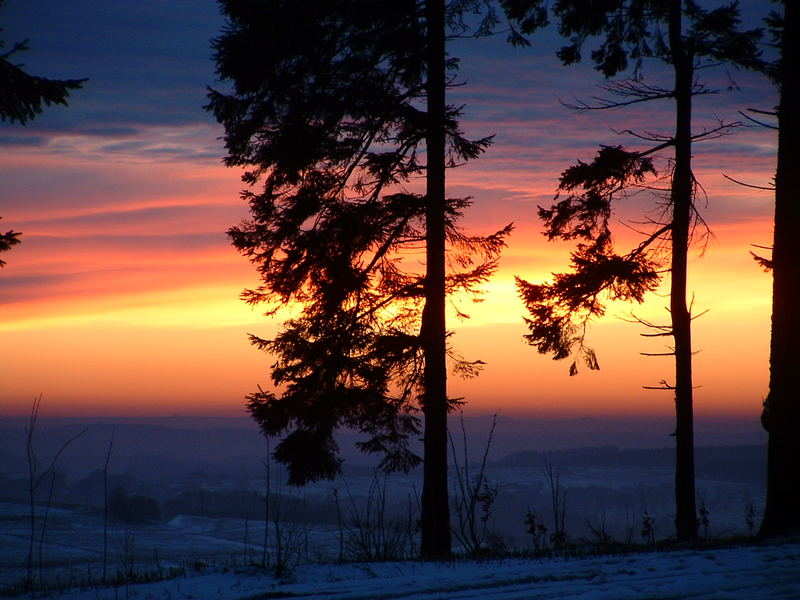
<point>746,573</point>
<point>211,528</point>
<point>611,499</point>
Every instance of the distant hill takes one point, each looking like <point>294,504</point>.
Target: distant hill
<point>745,463</point>
<point>185,444</point>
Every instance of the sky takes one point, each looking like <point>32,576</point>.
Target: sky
<point>123,297</point>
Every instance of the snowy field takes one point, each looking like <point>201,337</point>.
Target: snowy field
<point>746,573</point>
<point>222,511</point>
<point>613,500</point>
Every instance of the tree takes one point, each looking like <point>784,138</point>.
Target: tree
<point>781,414</point>
<point>22,97</point>
<point>337,108</point>
<point>687,38</point>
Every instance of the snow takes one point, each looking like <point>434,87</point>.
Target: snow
<point>211,551</point>
<point>749,572</point>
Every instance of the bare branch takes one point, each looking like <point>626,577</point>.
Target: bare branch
<point>662,334</point>
<point>663,330</point>
<point>757,121</point>
<point>721,130</point>
<point>770,188</point>
<point>646,136</point>
<point>662,385</point>
<point>634,91</point>
<point>657,148</point>
<point>604,103</point>
<point>650,239</point>
<point>764,112</point>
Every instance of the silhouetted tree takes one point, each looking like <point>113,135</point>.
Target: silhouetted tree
<point>22,97</point>
<point>781,414</point>
<point>337,108</point>
<point>686,37</point>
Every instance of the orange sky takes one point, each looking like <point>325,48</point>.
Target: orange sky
<point>156,328</point>
<point>122,298</point>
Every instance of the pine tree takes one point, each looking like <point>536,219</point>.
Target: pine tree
<point>781,414</point>
<point>337,109</point>
<point>23,97</point>
<point>686,37</point>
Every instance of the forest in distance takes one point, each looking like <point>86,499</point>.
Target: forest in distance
<point>344,133</point>
<point>178,492</point>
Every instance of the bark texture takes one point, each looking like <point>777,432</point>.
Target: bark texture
<point>435,517</point>
<point>681,196</point>
<point>781,415</point>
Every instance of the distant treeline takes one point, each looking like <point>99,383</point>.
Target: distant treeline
<point>729,463</point>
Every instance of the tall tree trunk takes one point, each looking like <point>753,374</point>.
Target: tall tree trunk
<point>435,517</point>
<point>681,198</point>
<point>781,415</point>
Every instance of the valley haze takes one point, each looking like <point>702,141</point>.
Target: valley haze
<point>205,479</point>
<point>207,438</point>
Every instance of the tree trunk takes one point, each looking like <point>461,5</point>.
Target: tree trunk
<point>435,517</point>
<point>681,198</point>
<point>781,415</point>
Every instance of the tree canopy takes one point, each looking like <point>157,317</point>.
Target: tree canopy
<point>624,35</point>
<point>326,111</point>
<point>686,37</point>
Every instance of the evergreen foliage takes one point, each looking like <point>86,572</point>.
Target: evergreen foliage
<point>22,97</point>
<point>624,34</point>
<point>326,111</point>
<point>561,310</point>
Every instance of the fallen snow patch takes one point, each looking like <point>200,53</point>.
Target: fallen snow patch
<point>751,573</point>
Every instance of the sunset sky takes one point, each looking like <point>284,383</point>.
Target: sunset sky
<point>123,297</point>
